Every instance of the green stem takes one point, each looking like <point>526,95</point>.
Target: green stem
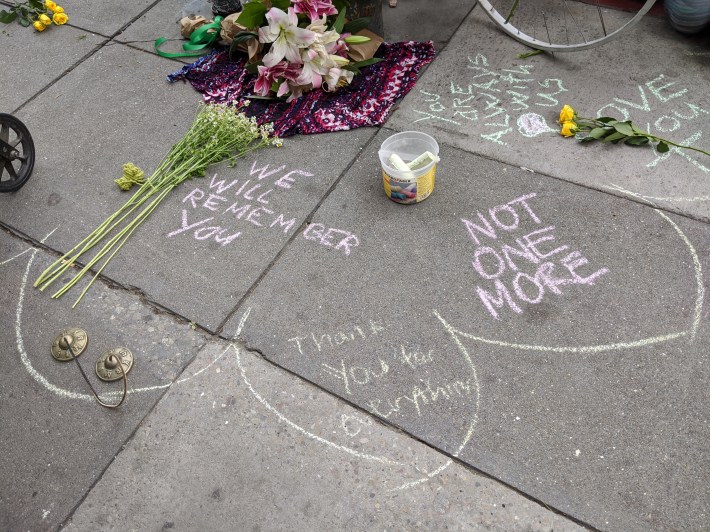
<point>58,267</point>
<point>592,123</point>
<point>150,209</point>
<point>659,139</point>
<point>72,256</point>
<point>109,245</point>
<point>167,181</point>
<point>187,158</point>
<point>512,11</point>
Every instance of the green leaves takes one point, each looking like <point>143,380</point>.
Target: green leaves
<point>662,147</point>
<point>19,12</point>
<point>239,38</point>
<point>610,130</point>
<point>253,68</point>
<point>341,5</point>
<point>283,5</point>
<point>624,128</point>
<point>607,129</point>
<point>24,12</point>
<point>7,16</point>
<point>339,22</point>
<point>636,141</point>
<point>356,25</point>
<point>253,15</point>
<point>614,137</point>
<point>598,132</point>
<point>356,66</point>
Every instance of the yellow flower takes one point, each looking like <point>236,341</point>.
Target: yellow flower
<point>44,19</point>
<point>49,4</point>
<point>569,128</point>
<point>567,114</point>
<point>60,18</point>
<point>38,25</point>
<point>58,9</point>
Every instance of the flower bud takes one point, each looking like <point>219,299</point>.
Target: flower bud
<point>44,19</point>
<point>50,5</point>
<point>356,39</point>
<point>60,18</point>
<point>38,25</point>
<point>339,60</point>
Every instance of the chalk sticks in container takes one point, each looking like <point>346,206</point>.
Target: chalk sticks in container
<point>408,161</point>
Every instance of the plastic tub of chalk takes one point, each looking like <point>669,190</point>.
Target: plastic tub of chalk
<point>408,161</point>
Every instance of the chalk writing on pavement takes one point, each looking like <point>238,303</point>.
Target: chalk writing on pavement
<point>498,102</point>
<point>663,107</point>
<point>225,209</point>
<point>518,259</point>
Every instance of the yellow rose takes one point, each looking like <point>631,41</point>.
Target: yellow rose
<point>567,114</point>
<point>569,128</point>
<point>38,25</point>
<point>44,19</point>
<point>60,18</point>
<point>50,5</point>
<point>58,9</point>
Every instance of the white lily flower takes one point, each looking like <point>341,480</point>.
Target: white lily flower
<point>286,37</point>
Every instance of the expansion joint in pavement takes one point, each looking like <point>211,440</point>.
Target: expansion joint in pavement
<point>107,40</point>
<point>240,343</point>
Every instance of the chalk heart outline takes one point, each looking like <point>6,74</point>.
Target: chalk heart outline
<point>690,332</point>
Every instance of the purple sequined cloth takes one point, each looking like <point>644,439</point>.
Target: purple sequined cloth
<point>367,101</point>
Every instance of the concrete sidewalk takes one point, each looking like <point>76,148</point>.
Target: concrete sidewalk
<point>433,374</point>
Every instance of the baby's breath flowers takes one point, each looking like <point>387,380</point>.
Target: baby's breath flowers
<point>218,133</point>
<point>607,129</point>
<point>35,12</point>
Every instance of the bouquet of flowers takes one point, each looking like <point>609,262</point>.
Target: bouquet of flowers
<point>295,46</point>
<point>218,133</point>
<point>41,14</point>
<point>608,129</point>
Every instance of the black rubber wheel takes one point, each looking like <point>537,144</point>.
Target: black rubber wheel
<point>17,153</point>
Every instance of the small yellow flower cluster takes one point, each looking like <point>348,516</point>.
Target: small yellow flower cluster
<point>569,126</point>
<point>59,17</point>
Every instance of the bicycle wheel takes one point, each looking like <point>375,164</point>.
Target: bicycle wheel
<point>17,153</point>
<point>565,25</point>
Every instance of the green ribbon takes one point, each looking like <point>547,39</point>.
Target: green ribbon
<point>200,39</point>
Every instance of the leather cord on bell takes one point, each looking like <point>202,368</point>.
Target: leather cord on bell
<point>123,374</point>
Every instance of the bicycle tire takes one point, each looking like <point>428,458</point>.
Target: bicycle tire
<point>509,28</point>
<point>17,153</point>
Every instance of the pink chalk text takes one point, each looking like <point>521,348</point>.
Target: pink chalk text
<point>224,209</point>
<point>519,259</point>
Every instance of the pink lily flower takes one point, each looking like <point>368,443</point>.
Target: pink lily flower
<point>336,45</point>
<point>285,36</point>
<point>315,8</point>
<point>314,68</point>
<point>270,75</point>
<point>296,90</point>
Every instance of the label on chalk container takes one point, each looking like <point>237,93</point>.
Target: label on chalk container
<point>409,190</point>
